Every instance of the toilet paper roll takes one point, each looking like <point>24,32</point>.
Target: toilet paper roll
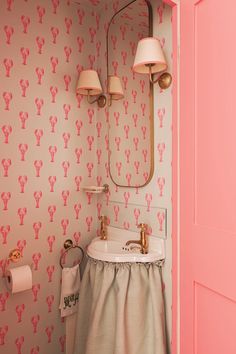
<point>19,279</point>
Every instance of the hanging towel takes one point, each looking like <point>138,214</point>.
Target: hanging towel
<point>70,285</point>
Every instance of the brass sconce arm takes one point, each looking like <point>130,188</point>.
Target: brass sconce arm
<point>164,80</point>
<point>101,100</point>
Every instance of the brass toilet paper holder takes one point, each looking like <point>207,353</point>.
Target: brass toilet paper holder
<point>15,255</point>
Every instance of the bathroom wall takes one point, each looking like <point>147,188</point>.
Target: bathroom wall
<point>51,144</point>
<point>47,151</point>
<point>126,207</point>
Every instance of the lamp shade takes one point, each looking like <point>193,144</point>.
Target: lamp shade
<point>115,88</point>
<point>149,54</point>
<point>89,83</point>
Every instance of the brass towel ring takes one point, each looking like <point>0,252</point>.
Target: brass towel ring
<point>68,245</point>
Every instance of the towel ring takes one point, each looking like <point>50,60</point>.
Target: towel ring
<point>68,245</point>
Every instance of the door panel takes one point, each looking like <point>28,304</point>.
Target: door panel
<point>214,114</point>
<point>213,336</point>
<point>207,178</point>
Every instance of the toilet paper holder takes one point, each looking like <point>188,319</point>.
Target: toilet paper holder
<point>15,255</point>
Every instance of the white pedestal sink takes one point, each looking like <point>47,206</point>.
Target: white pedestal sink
<point>114,249</point>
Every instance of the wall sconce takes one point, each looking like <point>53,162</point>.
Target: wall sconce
<point>115,89</point>
<point>89,85</point>
<point>150,59</point>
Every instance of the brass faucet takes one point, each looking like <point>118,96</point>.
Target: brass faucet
<point>103,229</point>
<point>143,242</point>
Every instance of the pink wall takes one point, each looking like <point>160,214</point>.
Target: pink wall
<point>43,45</point>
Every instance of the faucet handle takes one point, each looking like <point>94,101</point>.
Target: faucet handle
<point>143,226</point>
<point>103,218</point>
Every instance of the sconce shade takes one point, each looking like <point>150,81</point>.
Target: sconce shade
<point>89,83</point>
<point>115,88</point>
<point>149,54</point>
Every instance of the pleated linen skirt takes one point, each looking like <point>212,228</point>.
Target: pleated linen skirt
<point>121,309</point>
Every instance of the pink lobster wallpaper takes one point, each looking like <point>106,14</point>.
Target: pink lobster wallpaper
<point>51,144</point>
<point>152,204</point>
<point>47,151</point>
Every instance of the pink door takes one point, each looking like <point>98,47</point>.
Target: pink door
<point>208,177</point>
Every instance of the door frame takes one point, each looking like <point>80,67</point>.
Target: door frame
<point>176,241</point>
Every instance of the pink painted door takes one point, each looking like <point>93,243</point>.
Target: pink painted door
<point>208,177</point>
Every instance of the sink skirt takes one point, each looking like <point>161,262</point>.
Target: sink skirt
<point>121,309</point>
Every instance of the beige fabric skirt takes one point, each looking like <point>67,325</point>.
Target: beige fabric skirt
<point>121,309</point>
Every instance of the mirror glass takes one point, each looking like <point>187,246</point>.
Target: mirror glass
<point>130,118</point>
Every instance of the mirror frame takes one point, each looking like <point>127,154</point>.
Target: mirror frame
<point>151,97</point>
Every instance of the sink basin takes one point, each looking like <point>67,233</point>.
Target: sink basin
<point>114,249</point>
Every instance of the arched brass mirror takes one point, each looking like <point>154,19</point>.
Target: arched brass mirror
<point>131,135</point>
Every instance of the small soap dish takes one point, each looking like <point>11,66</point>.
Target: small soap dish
<point>96,189</point>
